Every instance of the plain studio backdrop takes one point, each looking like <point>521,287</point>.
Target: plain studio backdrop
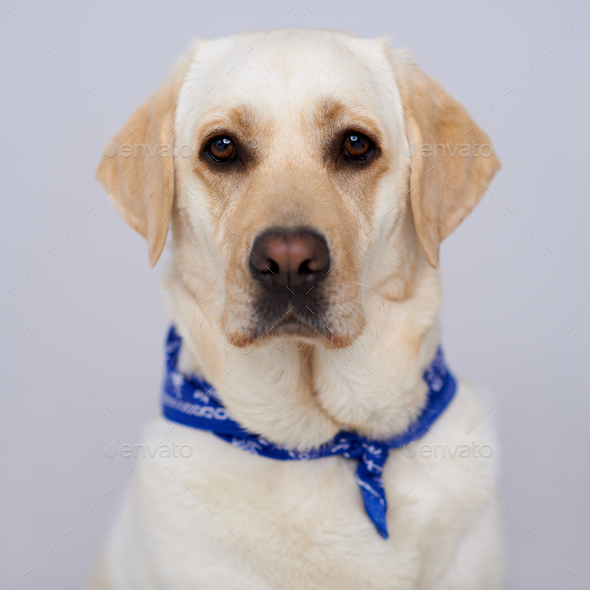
<point>81,321</point>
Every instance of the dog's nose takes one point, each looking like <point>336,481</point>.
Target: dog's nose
<point>295,259</point>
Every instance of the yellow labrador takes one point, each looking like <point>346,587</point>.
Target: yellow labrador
<point>309,178</point>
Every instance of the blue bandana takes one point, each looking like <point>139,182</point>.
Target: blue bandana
<point>193,402</point>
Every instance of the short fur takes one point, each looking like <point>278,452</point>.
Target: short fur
<point>226,519</point>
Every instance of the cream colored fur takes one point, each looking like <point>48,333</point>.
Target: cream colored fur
<point>224,519</point>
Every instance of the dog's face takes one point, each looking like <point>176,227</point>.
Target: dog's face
<point>297,150</point>
<point>299,181</point>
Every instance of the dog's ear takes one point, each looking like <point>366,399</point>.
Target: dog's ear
<point>137,168</point>
<point>452,160</point>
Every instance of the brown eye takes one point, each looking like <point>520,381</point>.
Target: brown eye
<point>357,145</point>
<point>222,148</point>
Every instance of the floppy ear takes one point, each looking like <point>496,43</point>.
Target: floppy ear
<point>137,168</point>
<point>447,181</point>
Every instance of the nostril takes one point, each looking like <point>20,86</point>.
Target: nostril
<point>318,263</point>
<point>304,267</point>
<point>271,267</point>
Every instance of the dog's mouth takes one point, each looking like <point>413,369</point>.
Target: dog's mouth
<point>300,316</point>
<point>291,314</point>
<point>298,327</point>
<point>305,318</point>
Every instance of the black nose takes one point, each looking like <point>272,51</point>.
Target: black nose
<point>293,259</point>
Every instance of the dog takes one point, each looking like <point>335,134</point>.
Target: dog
<point>309,177</point>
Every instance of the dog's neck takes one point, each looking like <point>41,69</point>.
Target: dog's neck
<point>301,395</point>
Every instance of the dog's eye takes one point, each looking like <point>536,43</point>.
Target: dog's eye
<point>357,145</point>
<point>221,148</point>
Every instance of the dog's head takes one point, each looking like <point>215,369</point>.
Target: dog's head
<point>301,170</point>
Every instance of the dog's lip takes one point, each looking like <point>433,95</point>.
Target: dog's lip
<point>294,325</point>
<point>291,319</point>
<point>306,332</point>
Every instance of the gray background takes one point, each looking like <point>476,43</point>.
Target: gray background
<point>86,314</point>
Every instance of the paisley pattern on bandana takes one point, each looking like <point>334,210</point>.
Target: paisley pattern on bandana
<point>188,400</point>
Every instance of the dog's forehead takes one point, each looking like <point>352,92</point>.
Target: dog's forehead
<point>283,74</point>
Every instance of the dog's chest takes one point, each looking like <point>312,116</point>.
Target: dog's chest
<point>216,516</point>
